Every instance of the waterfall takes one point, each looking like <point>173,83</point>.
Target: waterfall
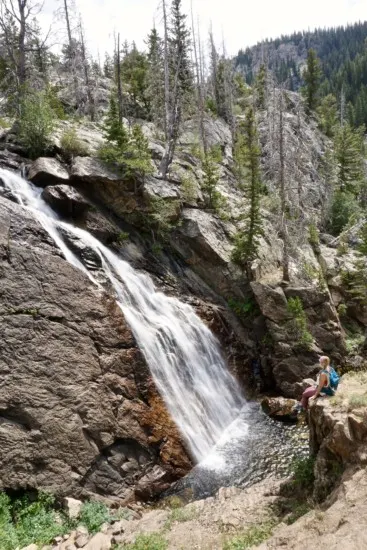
<point>183,355</point>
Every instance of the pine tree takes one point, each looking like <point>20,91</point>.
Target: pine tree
<point>247,243</point>
<point>180,83</point>
<point>260,87</point>
<point>350,162</point>
<point>327,114</point>
<point>312,77</point>
<point>155,78</point>
<point>114,131</point>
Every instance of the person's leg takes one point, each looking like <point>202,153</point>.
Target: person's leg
<point>309,392</point>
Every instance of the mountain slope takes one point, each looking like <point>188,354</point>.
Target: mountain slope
<point>343,55</point>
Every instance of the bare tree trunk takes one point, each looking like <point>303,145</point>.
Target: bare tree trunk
<point>91,106</point>
<point>166,72</point>
<point>173,124</point>
<point>199,84</point>
<point>21,42</point>
<point>284,232</point>
<point>119,83</point>
<point>72,52</point>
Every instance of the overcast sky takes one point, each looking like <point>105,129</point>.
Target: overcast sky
<point>242,23</point>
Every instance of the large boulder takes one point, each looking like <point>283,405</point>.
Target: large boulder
<point>75,413</point>
<point>65,200</point>
<point>203,240</point>
<point>126,196</point>
<point>47,171</point>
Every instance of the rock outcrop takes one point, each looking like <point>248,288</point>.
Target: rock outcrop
<point>338,432</point>
<point>75,412</point>
<point>340,523</point>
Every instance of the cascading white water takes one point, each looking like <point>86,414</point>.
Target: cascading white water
<point>183,355</point>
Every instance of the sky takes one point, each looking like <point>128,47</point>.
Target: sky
<point>242,23</point>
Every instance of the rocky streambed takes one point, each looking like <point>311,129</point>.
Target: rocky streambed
<point>255,447</point>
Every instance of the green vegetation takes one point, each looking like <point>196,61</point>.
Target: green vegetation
<point>127,150</point>
<point>298,325</point>
<point>357,401</point>
<point>188,189</point>
<point>36,123</point>
<point>154,541</point>
<point>345,207</point>
<point>354,343</point>
<point>122,237</point>
<point>302,471</point>
<point>247,159</point>
<point>342,52</point>
<point>181,515</point>
<point>72,145</point>
<point>254,535</point>
<point>313,237</point>
<point>25,521</point>
<point>243,308</point>
<point>312,79</point>
<point>327,115</point>
<point>356,282</point>
<point>93,514</point>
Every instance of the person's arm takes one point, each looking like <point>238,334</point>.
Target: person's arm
<point>322,383</point>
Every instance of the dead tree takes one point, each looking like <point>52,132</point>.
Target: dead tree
<point>88,84</point>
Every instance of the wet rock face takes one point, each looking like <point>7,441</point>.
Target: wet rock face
<point>74,408</point>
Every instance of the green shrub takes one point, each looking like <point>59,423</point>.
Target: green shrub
<point>36,124</point>
<point>94,514</point>
<point>344,208</point>
<point>313,237</point>
<point>181,515</point>
<point>245,308</point>
<point>188,189</point>
<point>25,521</point>
<point>342,310</point>
<point>354,343</point>
<point>357,401</point>
<point>299,509</point>
<point>129,153</point>
<point>362,248</point>
<point>122,237</point>
<point>153,541</point>
<point>254,535</point>
<point>298,325</point>
<point>302,470</point>
<point>71,144</point>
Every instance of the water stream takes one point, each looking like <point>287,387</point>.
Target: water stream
<point>183,355</point>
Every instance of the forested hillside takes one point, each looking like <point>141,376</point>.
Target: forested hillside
<point>343,55</point>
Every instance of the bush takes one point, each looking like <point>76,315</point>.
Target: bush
<point>154,541</point>
<point>302,470</point>
<point>344,207</point>
<point>94,514</point>
<point>71,144</point>
<point>36,124</point>
<point>25,521</point>
<point>255,535</point>
<point>299,324</point>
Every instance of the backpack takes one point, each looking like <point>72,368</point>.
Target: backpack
<point>334,378</point>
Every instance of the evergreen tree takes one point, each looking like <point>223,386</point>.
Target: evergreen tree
<point>181,85</point>
<point>260,87</point>
<point>312,78</point>
<point>114,131</point>
<point>134,68</point>
<point>155,78</point>
<point>247,243</point>
<point>327,114</point>
<point>350,159</point>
